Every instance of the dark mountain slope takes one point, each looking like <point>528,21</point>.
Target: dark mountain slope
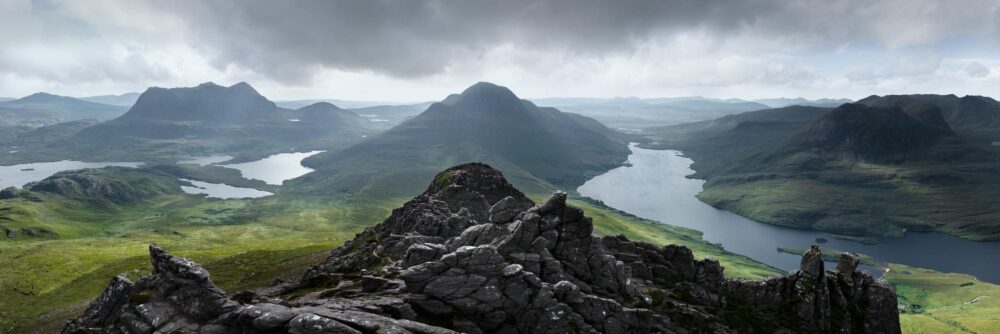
<point>236,104</point>
<point>214,119</point>
<point>974,118</point>
<point>44,109</point>
<point>875,134</point>
<point>456,259</point>
<point>728,143</point>
<point>488,123</point>
<point>856,170</point>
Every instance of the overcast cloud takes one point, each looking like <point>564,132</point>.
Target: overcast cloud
<point>420,50</point>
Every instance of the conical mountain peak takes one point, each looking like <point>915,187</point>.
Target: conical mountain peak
<point>244,87</point>
<point>486,97</point>
<point>488,91</point>
<point>320,106</point>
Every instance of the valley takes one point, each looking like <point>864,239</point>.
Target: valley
<point>655,186</point>
<point>785,166</point>
<point>251,216</point>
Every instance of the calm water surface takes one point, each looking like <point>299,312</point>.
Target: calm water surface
<point>275,169</point>
<point>18,175</point>
<point>224,191</point>
<point>655,187</point>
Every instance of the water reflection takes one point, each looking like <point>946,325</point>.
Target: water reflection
<point>275,169</point>
<point>223,191</point>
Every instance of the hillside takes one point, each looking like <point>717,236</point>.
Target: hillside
<point>214,119</point>
<point>59,252</point>
<point>453,260</point>
<point>854,170</point>
<point>44,109</point>
<point>856,131</point>
<point>539,148</point>
<point>974,118</point>
<point>119,185</point>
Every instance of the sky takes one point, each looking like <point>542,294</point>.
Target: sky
<point>410,50</point>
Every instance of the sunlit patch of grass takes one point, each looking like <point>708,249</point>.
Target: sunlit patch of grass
<point>935,302</point>
<point>243,243</point>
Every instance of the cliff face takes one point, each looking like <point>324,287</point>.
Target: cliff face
<point>472,254</point>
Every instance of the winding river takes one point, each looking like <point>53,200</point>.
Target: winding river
<point>654,186</point>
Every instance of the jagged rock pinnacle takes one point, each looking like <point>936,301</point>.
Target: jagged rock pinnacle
<point>473,255</point>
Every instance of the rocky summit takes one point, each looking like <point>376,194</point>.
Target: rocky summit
<point>472,254</point>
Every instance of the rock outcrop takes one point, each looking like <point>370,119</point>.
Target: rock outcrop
<point>474,255</point>
<point>120,185</point>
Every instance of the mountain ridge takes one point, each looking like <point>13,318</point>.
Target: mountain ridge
<point>882,169</point>
<point>42,108</point>
<point>452,261</point>
<point>210,119</point>
<point>486,123</point>
<point>874,134</point>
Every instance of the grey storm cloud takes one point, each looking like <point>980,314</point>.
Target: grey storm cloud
<point>415,38</point>
<point>601,44</point>
<point>288,39</point>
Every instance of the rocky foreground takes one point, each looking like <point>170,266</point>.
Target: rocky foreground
<point>472,254</point>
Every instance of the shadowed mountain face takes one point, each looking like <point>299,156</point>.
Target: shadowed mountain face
<point>486,123</point>
<point>875,134</point>
<point>236,104</point>
<point>975,118</point>
<point>903,165</point>
<point>45,109</point>
<point>472,254</point>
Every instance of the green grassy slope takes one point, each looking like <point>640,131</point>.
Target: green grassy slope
<point>934,302</point>
<point>244,243</point>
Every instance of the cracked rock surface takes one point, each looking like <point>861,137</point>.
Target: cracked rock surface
<point>472,254</point>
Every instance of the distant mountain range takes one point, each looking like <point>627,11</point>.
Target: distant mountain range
<point>879,167</point>
<point>632,114</point>
<point>348,104</point>
<point>165,123</point>
<point>693,102</point>
<point>43,109</point>
<point>538,148</point>
<point>798,101</point>
<point>124,100</point>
